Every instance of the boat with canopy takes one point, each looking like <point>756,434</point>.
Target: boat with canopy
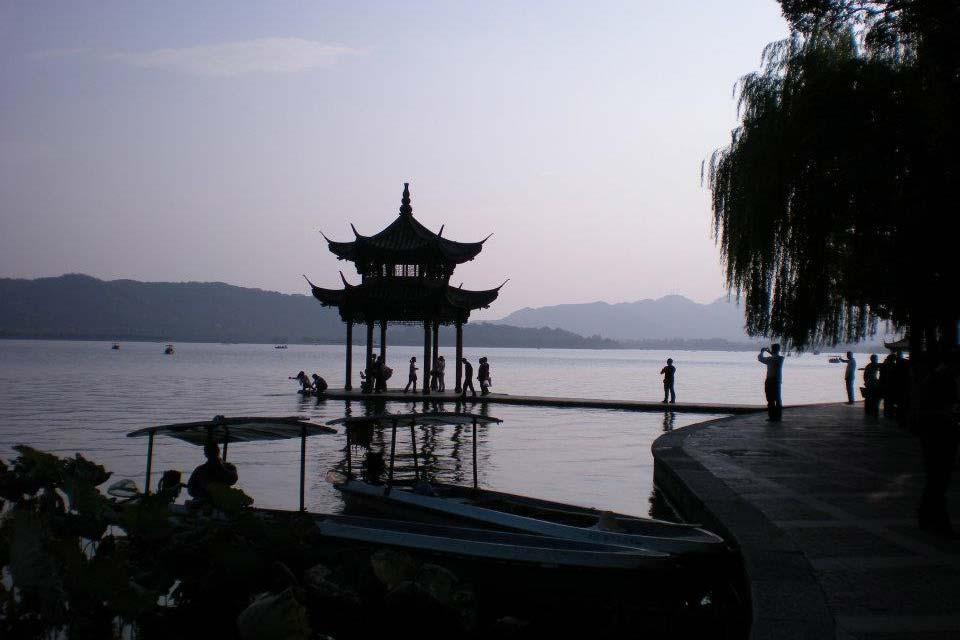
<point>422,499</point>
<point>511,551</point>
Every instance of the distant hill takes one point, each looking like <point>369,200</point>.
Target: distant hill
<point>77,306</point>
<point>671,318</point>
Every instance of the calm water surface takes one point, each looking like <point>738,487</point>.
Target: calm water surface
<point>67,397</point>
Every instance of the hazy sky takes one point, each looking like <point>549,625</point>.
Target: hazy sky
<point>212,140</point>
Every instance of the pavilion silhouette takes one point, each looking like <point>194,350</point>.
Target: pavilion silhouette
<point>405,274</point>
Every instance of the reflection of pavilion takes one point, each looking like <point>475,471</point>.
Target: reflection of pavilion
<point>405,277</point>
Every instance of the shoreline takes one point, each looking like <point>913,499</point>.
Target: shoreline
<point>821,508</point>
<point>652,346</point>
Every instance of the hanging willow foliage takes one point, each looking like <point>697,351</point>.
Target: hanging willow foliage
<point>822,202</point>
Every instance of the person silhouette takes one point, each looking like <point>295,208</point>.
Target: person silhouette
<point>213,471</point>
<point>667,372</point>
<point>467,378</point>
<point>773,381</point>
<point>483,376</point>
<point>871,387</point>
<point>305,384</point>
<point>319,384</point>
<point>441,367</point>
<point>850,376</point>
<point>381,374</point>
<point>412,379</point>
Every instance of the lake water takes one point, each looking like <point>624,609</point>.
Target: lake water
<point>67,397</point>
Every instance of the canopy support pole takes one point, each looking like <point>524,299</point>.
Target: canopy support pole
<point>349,461</point>
<point>383,340</point>
<point>226,441</point>
<point>348,384</point>
<point>458,388</point>
<point>303,463</point>
<point>436,350</point>
<point>426,357</point>
<point>146,482</point>
<point>413,439</point>
<point>366,362</point>
<point>476,484</point>
<point>393,450</point>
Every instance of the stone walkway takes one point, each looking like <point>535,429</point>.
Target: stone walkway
<point>822,507</point>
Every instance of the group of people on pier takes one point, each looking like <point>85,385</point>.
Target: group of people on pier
<point>378,373</point>
<point>374,377</point>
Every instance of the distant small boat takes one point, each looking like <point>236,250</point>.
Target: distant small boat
<point>168,350</point>
<point>280,346</point>
<point>116,346</point>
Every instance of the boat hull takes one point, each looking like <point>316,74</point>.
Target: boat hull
<point>475,507</point>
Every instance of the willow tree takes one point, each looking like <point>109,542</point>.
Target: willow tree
<point>835,203</point>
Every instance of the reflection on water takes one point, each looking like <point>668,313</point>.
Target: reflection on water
<point>67,397</point>
<point>668,419</point>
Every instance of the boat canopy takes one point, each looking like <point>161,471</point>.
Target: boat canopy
<point>225,430</point>
<point>439,418</point>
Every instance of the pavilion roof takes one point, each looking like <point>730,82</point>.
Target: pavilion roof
<point>404,299</point>
<point>405,241</point>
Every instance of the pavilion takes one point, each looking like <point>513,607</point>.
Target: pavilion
<point>405,278</point>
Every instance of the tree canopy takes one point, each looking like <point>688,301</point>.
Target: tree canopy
<point>834,202</point>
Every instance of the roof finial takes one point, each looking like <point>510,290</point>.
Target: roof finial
<point>405,208</point>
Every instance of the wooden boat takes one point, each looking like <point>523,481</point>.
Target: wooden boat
<point>435,502</point>
<point>503,552</point>
<point>115,346</point>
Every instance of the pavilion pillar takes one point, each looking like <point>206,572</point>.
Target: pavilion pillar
<point>366,363</point>
<point>436,344</point>
<point>383,339</point>
<point>426,357</point>
<point>349,365</point>
<point>458,388</point>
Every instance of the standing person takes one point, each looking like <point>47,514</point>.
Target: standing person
<point>369,375</point>
<point>667,373</point>
<point>772,383</point>
<point>935,409</point>
<point>468,378</point>
<point>379,375</point>
<point>850,376</point>
<point>871,387</point>
<point>434,380</point>
<point>441,367</point>
<point>887,374</point>
<point>483,377</point>
<point>412,380</point>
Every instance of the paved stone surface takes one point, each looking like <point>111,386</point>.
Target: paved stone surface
<point>822,507</point>
<point>506,398</point>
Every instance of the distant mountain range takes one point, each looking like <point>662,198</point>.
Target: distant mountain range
<point>670,318</point>
<point>77,306</point>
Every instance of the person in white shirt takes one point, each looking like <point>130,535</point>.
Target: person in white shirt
<point>850,376</point>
